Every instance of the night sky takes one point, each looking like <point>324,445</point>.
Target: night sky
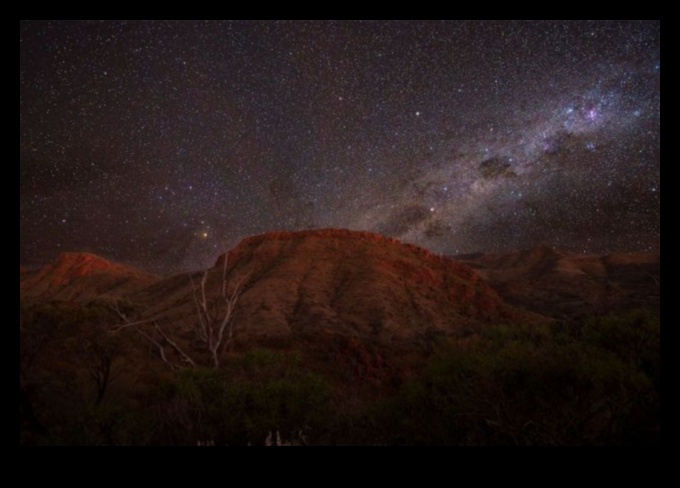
<point>154,143</point>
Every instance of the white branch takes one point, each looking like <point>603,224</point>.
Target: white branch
<point>215,318</point>
<point>174,345</point>
<point>161,349</point>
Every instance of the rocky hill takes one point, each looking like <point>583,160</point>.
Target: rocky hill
<point>562,284</point>
<point>338,282</point>
<point>318,287</point>
<point>81,277</point>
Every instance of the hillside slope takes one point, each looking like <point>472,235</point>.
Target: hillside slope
<point>338,282</point>
<point>81,277</point>
<point>562,285</point>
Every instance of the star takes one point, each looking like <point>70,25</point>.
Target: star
<point>170,135</point>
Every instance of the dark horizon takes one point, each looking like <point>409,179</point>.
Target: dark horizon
<point>154,142</point>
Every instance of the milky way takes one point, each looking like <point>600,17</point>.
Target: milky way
<point>160,143</point>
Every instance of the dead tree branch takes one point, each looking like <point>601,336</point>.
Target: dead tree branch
<point>214,327</point>
<point>217,317</point>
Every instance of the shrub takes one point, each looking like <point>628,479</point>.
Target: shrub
<point>535,386</point>
<point>260,393</point>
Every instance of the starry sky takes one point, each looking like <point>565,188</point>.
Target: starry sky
<point>160,143</point>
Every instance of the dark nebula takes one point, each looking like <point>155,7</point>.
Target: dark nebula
<point>158,143</point>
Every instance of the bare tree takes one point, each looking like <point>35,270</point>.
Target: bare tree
<point>214,327</point>
<point>157,337</point>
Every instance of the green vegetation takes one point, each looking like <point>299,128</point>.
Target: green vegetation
<point>252,396</point>
<point>592,383</point>
<point>537,386</point>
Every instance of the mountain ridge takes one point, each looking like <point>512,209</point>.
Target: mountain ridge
<point>337,281</point>
<point>568,285</point>
<point>81,276</point>
<point>357,297</point>
<point>534,279</point>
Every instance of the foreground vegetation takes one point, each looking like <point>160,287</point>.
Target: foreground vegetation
<point>596,382</point>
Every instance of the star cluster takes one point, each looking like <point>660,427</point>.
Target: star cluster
<point>160,143</point>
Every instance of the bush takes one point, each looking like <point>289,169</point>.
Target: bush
<point>241,404</point>
<point>535,386</point>
<point>68,360</point>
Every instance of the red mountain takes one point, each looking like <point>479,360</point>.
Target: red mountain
<point>80,277</point>
<point>562,284</point>
<point>333,283</point>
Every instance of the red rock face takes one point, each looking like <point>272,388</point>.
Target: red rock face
<point>82,276</point>
<point>339,282</point>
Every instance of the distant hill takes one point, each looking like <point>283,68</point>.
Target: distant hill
<point>81,277</point>
<point>561,284</point>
